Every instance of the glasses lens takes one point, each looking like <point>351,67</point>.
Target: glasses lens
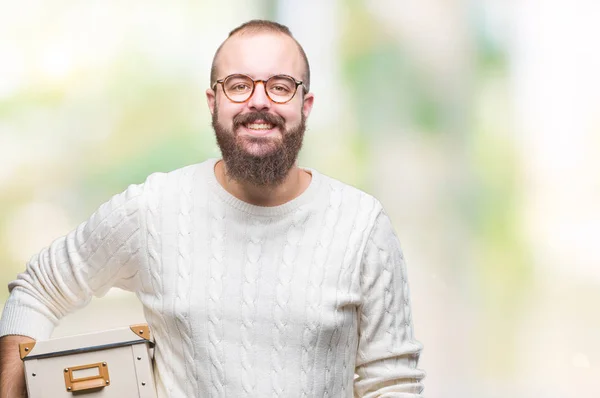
<point>238,87</point>
<point>281,88</point>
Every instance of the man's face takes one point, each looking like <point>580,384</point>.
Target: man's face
<point>259,139</point>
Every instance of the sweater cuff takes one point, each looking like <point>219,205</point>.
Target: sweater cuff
<point>20,319</point>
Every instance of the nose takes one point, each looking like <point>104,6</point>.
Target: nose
<point>259,99</point>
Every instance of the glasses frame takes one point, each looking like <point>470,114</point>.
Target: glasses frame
<point>264,83</point>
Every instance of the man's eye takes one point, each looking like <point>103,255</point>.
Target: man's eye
<point>280,89</point>
<point>240,87</point>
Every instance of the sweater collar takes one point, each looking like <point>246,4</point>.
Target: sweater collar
<point>304,198</point>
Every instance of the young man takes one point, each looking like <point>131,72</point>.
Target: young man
<point>258,277</point>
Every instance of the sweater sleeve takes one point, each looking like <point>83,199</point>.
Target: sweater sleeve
<point>100,253</point>
<point>387,354</point>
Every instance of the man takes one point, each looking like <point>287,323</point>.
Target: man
<point>258,278</point>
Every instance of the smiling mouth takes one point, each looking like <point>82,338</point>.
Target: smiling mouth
<point>259,126</point>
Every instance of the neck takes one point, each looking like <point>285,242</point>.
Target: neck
<point>296,182</point>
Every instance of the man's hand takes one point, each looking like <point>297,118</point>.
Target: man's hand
<point>12,376</point>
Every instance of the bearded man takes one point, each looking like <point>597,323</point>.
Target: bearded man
<point>257,277</point>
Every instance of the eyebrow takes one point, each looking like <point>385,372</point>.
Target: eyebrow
<point>266,78</point>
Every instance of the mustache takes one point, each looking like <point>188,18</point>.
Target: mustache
<point>252,117</point>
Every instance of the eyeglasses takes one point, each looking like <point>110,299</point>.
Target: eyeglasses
<point>279,88</point>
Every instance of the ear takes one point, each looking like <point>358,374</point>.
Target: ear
<point>307,104</point>
<point>211,100</point>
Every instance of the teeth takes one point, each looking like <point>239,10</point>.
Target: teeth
<point>260,126</point>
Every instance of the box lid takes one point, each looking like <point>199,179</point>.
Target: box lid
<point>134,334</point>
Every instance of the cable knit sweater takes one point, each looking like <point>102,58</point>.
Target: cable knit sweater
<point>243,301</point>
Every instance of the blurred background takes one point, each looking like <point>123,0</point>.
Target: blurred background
<point>476,123</point>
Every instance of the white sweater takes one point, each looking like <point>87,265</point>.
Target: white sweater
<point>243,301</point>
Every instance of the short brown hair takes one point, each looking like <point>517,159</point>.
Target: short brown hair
<point>257,26</point>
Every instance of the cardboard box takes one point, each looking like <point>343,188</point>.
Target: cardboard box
<point>110,364</point>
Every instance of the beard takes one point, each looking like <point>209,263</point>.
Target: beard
<point>271,164</point>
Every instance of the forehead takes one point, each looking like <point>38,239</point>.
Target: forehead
<point>260,55</point>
